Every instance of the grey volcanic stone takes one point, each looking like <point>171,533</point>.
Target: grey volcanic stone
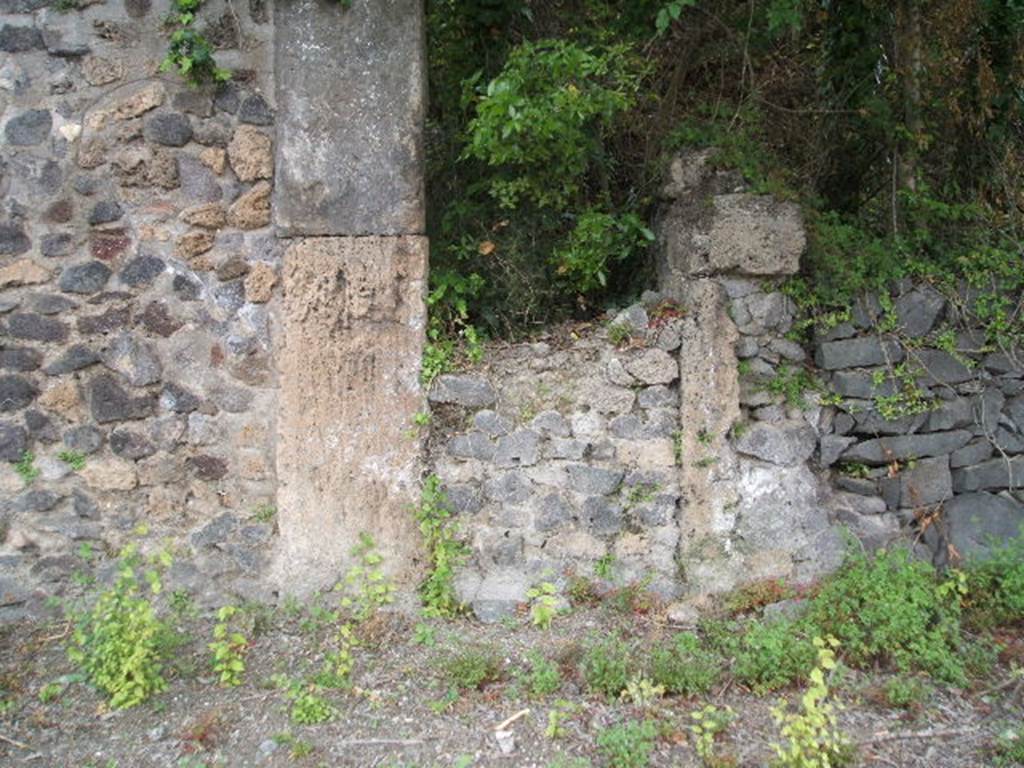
<point>658,397</point>
<point>832,447</point>
<point>84,438</point>
<point>29,129</point>
<point>563,448</point>
<point>464,499</point>
<point>130,445</point>
<point>855,353</point>
<point>785,444</point>
<point>883,450</point>
<point>22,6</point>
<point>492,424</point>
<point>90,277</point>
<point>940,367</point>
<point>356,168</point>
<point>462,389</point>
<point>472,445</point>
<point>142,270</point>
<point>20,39</point>
<point>105,211</point>
<point>951,414</point>
<point>552,512</point>
<point>227,98</point>
<point>83,505</point>
<point>509,488</point>
<point>255,111</point>
<point>20,359</point>
<point>13,441</point>
<point>654,366</point>
<point>41,427</point>
<point>216,532</point>
<point>133,359</point>
<point>172,129</point>
<point>551,424</point>
<point>16,392</point>
<point>594,481</point>
<point>75,358</point>
<point>861,385</point>
<point>13,240</point>
<point>990,475</point>
<point>110,402</point>
<point>871,422</point>
<point>33,327</point>
<point>974,452</point>
<point>178,399</point>
<point>56,245</point>
<point>186,288</point>
<point>36,501</point>
<point>207,467</point>
<point>919,310</point>
<point>519,449</point>
<point>51,304</point>
<point>977,521</point>
<point>604,516</point>
<point>927,482</point>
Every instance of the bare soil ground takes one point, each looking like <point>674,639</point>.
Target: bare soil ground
<point>396,713</point>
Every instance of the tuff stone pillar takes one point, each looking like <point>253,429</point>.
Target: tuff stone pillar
<point>349,191</point>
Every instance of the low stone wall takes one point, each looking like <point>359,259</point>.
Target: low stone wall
<point>138,276</point>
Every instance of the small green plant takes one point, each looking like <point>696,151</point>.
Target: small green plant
<point>51,692</point>
<point>708,724</point>
<point>596,242</point>
<point>421,419</point>
<point>670,12</point>
<point>264,513</point>
<point>684,667</point>
<point>628,745</point>
<point>606,667</point>
<point>440,533</point>
<point>471,668</point>
<point>677,447</point>
<point>641,692</point>
<point>557,717</point>
<point>424,634</point>
<point>119,642</point>
<point>366,587</point>
<point>26,468</point>
<point>543,677</point>
<point>908,399</point>
<point>229,647</point>
<point>1008,749</point>
<point>995,593</point>
<point>543,604</point>
<point>190,54</point>
<point>309,707</point>
<point>793,385</point>
<point>297,748</point>
<point>619,333</point>
<point>74,459</point>
<point>773,655</point>
<point>604,568</point>
<point>906,692</point>
<point>812,736</point>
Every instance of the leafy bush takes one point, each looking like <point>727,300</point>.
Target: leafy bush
<point>683,667</point>
<point>445,551</point>
<point>598,240</point>
<point>607,667</point>
<point>228,647</point>
<point>996,586</point>
<point>543,677</point>
<point>540,121</point>
<point>773,655</point>
<point>890,607</point>
<point>628,745</point>
<point>471,668</point>
<point>119,642</point>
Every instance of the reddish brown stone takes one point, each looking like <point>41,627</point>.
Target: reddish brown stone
<point>207,467</point>
<point>216,355</point>
<point>107,246</point>
<point>111,320</point>
<point>156,319</point>
<point>60,212</point>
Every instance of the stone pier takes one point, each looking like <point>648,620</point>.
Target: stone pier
<point>349,196</point>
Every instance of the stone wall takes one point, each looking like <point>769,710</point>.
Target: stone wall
<point>139,282</point>
<point>699,441</point>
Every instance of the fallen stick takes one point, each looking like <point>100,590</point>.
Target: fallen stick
<point>12,742</point>
<point>380,742</point>
<point>504,724</point>
<point>905,735</point>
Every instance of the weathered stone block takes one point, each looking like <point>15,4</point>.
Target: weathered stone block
<point>856,353</point>
<point>786,444</point>
<point>977,521</point>
<point>886,449</point>
<point>350,95</point>
<point>927,482</point>
<point>354,317</point>
<point>990,475</point>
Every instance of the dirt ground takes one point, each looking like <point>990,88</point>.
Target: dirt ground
<point>397,714</point>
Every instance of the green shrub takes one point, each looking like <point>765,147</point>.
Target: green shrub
<point>891,607</point>
<point>119,642</point>
<point>596,241</point>
<point>440,531</point>
<point>540,121</point>
<point>543,677</point>
<point>995,591</point>
<point>628,745</point>
<point>607,667</point>
<point>774,654</point>
<point>471,668</point>
<point>683,667</point>
<point>905,692</point>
